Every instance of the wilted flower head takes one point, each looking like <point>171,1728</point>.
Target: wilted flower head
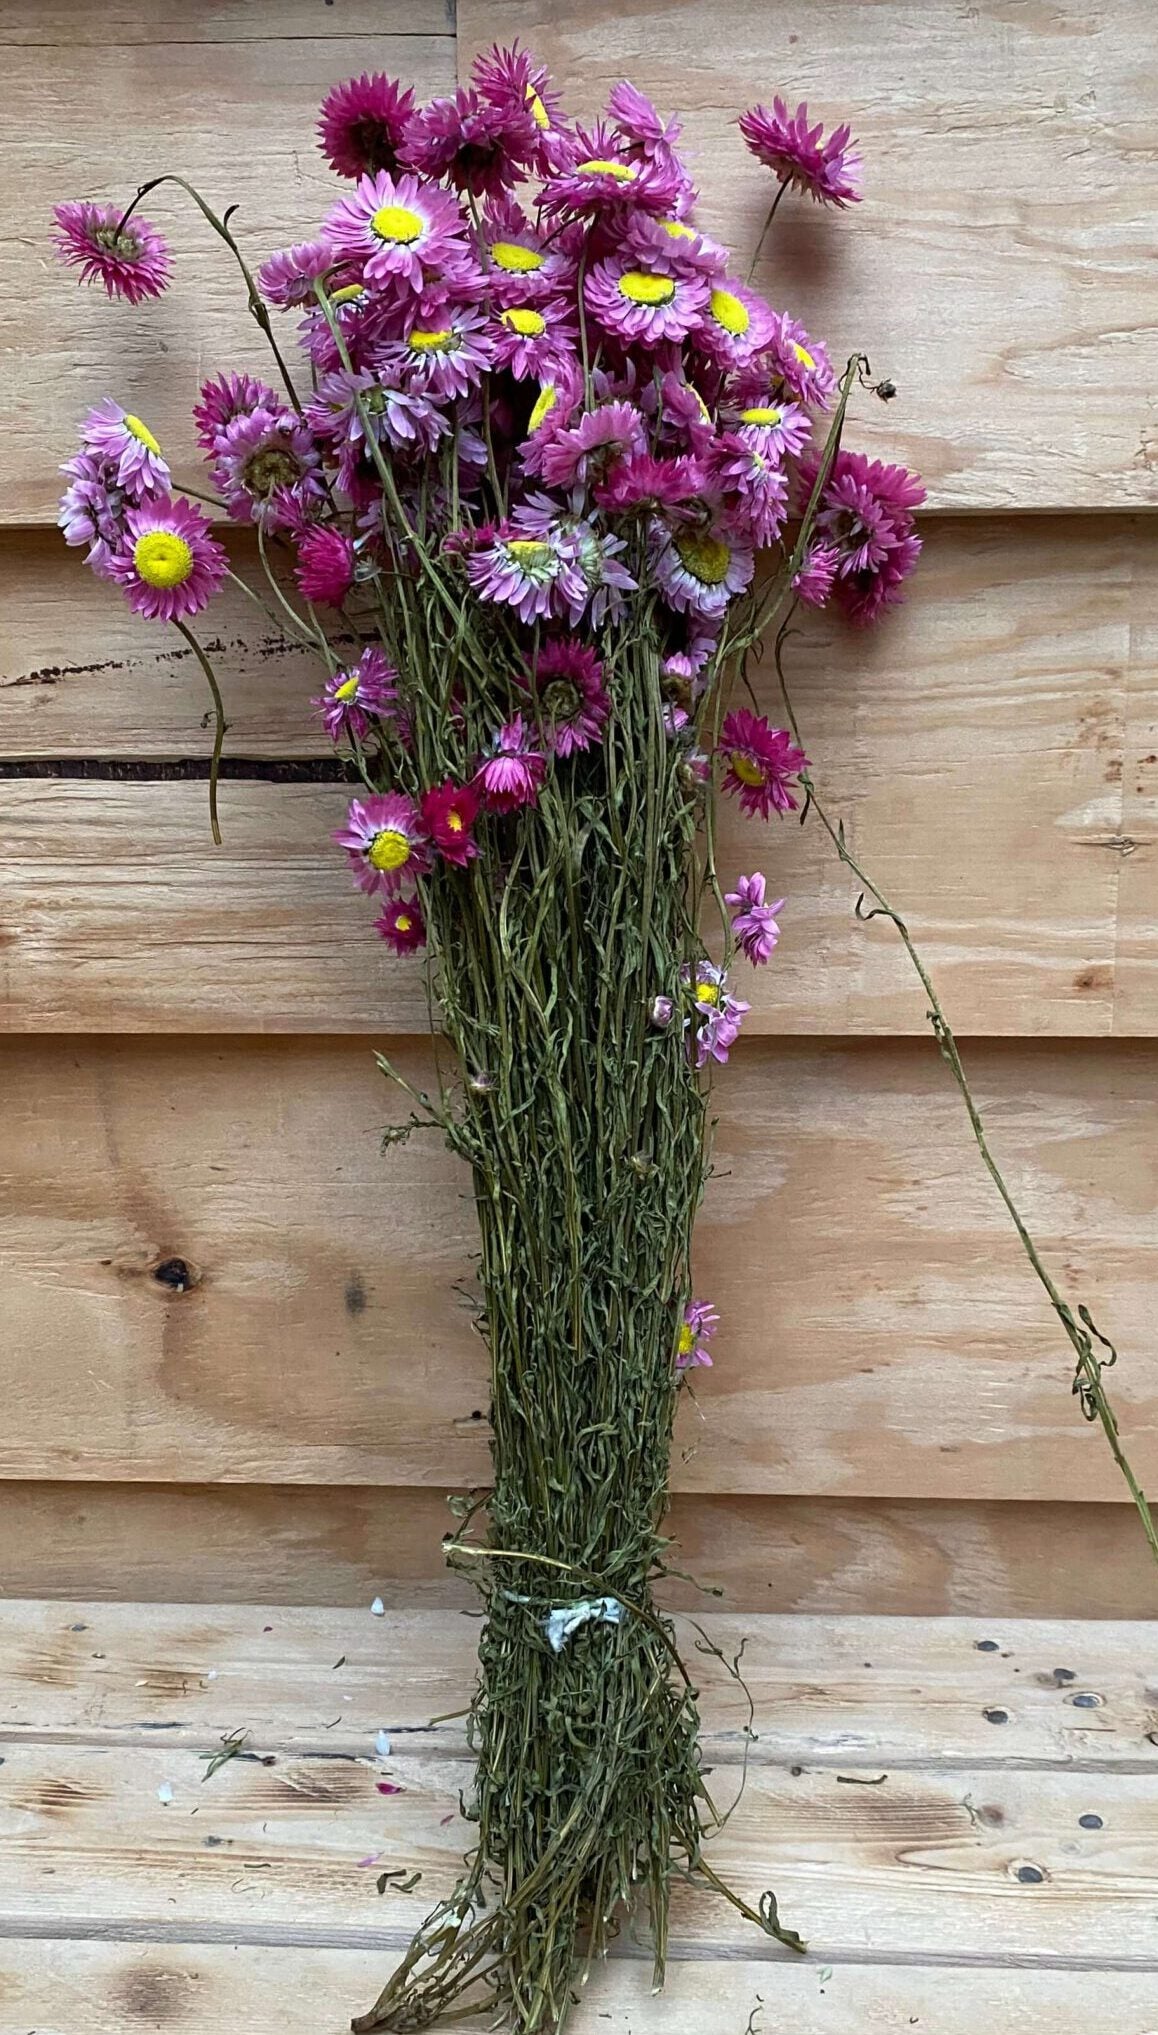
<point>325,566</point>
<point>134,457</point>
<point>754,924</point>
<point>827,168</point>
<point>128,256</point>
<point>572,703</point>
<point>510,774</point>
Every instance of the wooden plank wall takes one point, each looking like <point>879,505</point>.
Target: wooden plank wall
<point>237,1362</point>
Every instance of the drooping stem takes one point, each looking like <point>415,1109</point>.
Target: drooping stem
<point>765,229</point>
<point>219,723</point>
<point>220,225</point>
<point>1077,1323</point>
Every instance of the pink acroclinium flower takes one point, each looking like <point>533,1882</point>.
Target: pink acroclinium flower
<point>573,705</point>
<point>754,925</point>
<point>763,763</point>
<point>827,168</point>
<point>402,925</point>
<point>131,258</point>
<point>404,232</point>
<point>362,124</point>
<point>357,696</point>
<point>510,774</point>
<point>386,842</point>
<point>325,565</point>
<point>172,565</point>
<point>134,457</point>
<point>699,1323</point>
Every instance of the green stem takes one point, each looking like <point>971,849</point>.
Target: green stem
<point>219,717</point>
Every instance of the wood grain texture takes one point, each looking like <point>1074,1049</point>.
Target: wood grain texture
<point>927,1854</point>
<point>900,1692</point>
<point>345,1544</point>
<point>90,1988</point>
<point>231,110</point>
<point>992,750</point>
<point>881,1335</point>
<point>999,269</point>
<point>52,24</point>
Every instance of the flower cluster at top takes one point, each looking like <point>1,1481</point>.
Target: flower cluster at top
<point>533,383</point>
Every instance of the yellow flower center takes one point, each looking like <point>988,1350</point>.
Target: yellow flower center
<point>707,992</point>
<point>803,355</point>
<point>528,324</point>
<point>142,434</point>
<point>676,230</point>
<point>516,259</point>
<point>728,311</point>
<point>640,288</point>
<point>162,558</point>
<point>388,850</point>
<point>539,113</point>
<point>431,342</point>
<point>454,822</point>
<point>687,1340</point>
<point>397,223</point>
<point>348,294</point>
<point>548,397</point>
<point>706,558</point>
<point>403,922</point>
<point>598,167</point>
<point>348,687</point>
<point>760,413</point>
<point>744,768</point>
<point>528,551</point>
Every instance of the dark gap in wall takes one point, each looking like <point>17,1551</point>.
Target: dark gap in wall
<point>171,769</point>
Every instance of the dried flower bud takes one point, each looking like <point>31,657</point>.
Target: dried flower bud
<point>660,1013</point>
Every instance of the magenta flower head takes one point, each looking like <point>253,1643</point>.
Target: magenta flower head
<point>385,839</point>
<point>699,570</point>
<point>801,364</point>
<point>268,468</point>
<point>813,583</point>
<point>92,510</point>
<point>513,769</point>
<point>527,571</point>
<point>600,438</point>
<point>640,483</point>
<point>402,925</point>
<point>288,277</point>
<point>573,706</point>
<point>449,811</point>
<point>133,456</point>
<point>828,169</point>
<point>358,696</point>
<point>763,763</point>
<point>362,124</point>
<point>734,326</point>
<point>712,1023</point>
<point>325,567</point>
<point>130,259</point>
<point>754,924</point>
<point>172,565</point>
<point>645,302</point>
<point>866,519</point>
<point>405,232</point>
<point>512,80</point>
<point>479,145</point>
<point>595,175</point>
<point>224,398</point>
<point>699,1323</point>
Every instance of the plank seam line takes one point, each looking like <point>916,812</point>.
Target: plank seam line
<point>112,1930</point>
<point>719,1755</point>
